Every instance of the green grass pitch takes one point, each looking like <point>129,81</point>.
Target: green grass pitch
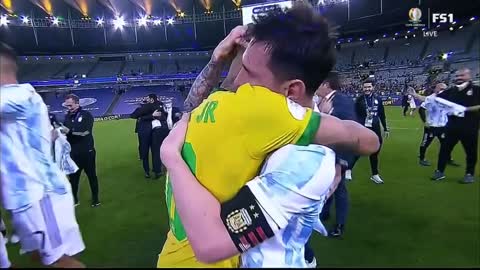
<point>409,221</point>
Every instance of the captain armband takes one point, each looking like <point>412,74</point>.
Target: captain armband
<point>244,220</point>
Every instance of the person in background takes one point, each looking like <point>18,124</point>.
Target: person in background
<point>411,104</point>
<point>137,124</point>
<point>464,129</point>
<point>78,127</point>
<point>33,188</point>
<point>405,103</point>
<point>144,116</point>
<point>371,113</point>
<point>332,101</point>
<point>435,118</point>
<point>160,131</point>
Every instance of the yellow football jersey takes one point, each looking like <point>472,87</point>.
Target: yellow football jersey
<point>229,136</point>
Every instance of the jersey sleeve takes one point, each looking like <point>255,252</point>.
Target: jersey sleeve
<point>14,102</point>
<point>450,107</point>
<point>275,121</point>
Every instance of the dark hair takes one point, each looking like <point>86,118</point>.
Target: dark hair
<point>300,43</point>
<point>369,80</point>
<point>73,97</point>
<point>8,51</point>
<point>153,96</point>
<point>333,80</point>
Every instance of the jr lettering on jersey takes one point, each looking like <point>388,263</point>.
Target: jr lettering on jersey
<point>207,114</point>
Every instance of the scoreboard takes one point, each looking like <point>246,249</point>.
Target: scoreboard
<point>251,11</point>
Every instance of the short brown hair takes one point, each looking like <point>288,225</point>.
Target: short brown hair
<point>8,51</point>
<point>300,42</point>
<point>73,97</point>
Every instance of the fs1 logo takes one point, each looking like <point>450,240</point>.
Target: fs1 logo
<point>442,17</point>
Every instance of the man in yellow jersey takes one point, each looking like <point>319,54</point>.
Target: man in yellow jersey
<point>230,134</point>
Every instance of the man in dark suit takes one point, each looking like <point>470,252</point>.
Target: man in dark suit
<point>136,131</point>
<point>333,102</point>
<point>342,107</point>
<point>371,113</point>
<point>144,116</point>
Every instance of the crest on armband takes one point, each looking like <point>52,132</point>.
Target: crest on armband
<point>238,220</point>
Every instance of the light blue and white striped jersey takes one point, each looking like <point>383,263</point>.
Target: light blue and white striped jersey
<point>61,154</point>
<point>27,168</point>
<point>291,189</point>
<point>438,110</point>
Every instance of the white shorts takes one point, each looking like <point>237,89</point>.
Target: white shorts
<point>50,227</point>
<point>413,105</point>
<point>4,261</point>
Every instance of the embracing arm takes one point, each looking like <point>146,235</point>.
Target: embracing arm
<point>203,85</point>
<point>346,135</point>
<point>206,232</point>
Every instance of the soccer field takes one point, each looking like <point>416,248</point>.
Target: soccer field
<point>409,221</point>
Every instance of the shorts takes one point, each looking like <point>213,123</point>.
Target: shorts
<point>438,132</point>
<point>50,227</point>
<point>4,261</point>
<point>413,105</point>
<point>177,254</point>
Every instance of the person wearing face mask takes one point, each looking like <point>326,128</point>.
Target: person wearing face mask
<point>78,126</point>
<point>463,129</point>
<point>371,113</point>
<point>339,105</point>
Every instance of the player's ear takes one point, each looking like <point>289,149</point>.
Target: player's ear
<point>296,90</point>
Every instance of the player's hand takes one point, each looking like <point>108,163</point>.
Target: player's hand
<point>171,148</point>
<point>386,134</point>
<point>226,49</point>
<point>157,113</point>
<point>326,106</point>
<point>64,130</point>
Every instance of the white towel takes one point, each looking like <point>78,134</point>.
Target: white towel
<point>62,154</point>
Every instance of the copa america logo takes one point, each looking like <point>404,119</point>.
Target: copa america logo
<point>415,14</point>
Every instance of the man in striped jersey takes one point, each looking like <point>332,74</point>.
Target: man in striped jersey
<point>435,122</point>
<point>437,111</point>
<point>32,186</point>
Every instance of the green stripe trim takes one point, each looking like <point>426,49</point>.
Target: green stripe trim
<point>309,134</point>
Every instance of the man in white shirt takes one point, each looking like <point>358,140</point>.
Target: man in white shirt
<point>33,188</point>
<point>435,119</point>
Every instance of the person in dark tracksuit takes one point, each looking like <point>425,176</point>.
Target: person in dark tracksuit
<point>160,131</point>
<point>464,129</point>
<point>342,107</point>
<point>405,104</point>
<point>144,116</point>
<point>137,123</point>
<point>371,113</point>
<point>78,126</point>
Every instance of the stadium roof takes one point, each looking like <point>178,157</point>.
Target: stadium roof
<point>356,17</point>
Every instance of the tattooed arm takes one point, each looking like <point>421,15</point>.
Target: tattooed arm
<point>203,85</point>
<point>210,75</point>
